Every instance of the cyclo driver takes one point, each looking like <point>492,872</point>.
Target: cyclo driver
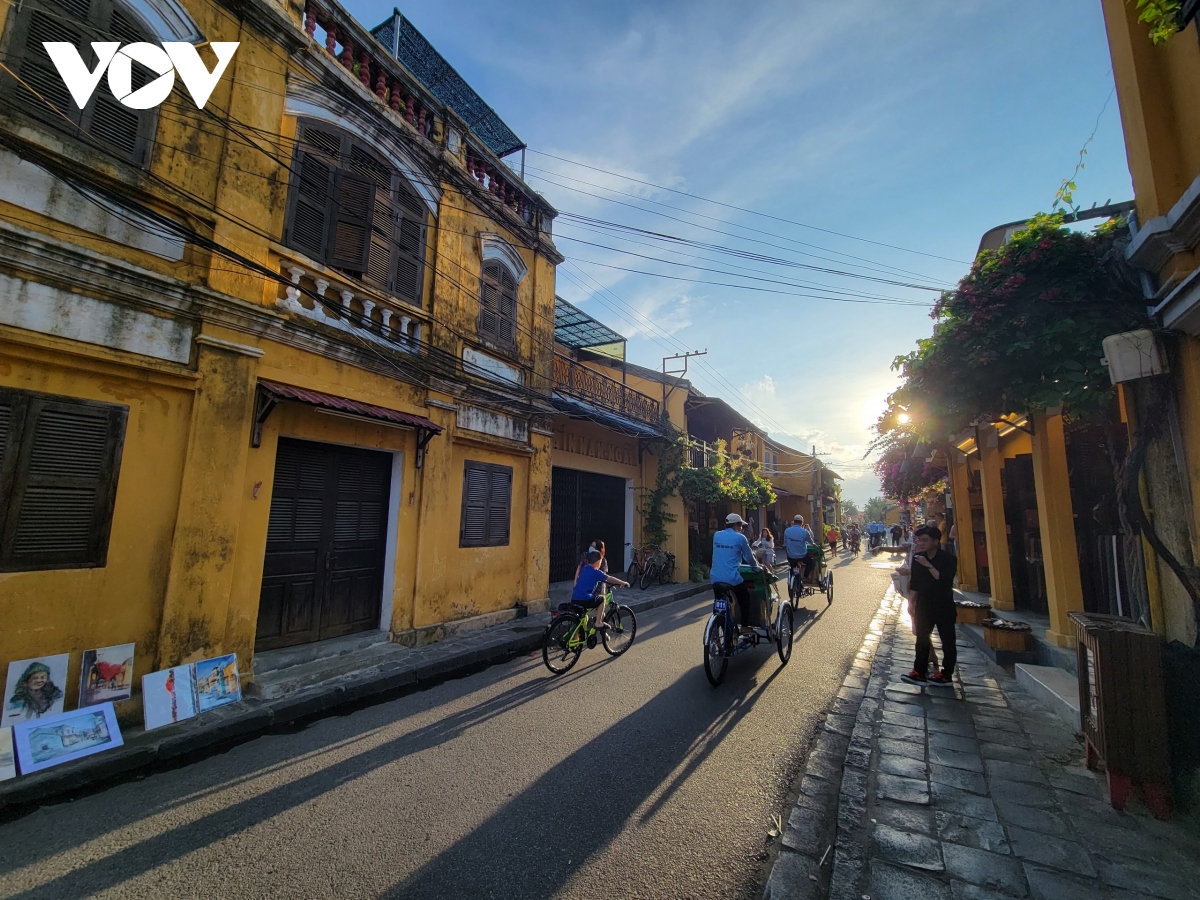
<point>730,550</point>
<point>799,543</point>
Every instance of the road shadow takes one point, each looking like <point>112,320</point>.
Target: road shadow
<point>537,841</point>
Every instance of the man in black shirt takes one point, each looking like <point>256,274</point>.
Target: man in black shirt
<point>931,605</point>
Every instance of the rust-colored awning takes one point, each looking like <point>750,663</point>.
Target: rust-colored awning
<point>271,392</point>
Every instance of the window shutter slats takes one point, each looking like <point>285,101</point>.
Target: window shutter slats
<point>498,305</point>
<point>351,208</point>
<point>309,224</point>
<point>37,69</point>
<point>59,509</point>
<point>487,498</point>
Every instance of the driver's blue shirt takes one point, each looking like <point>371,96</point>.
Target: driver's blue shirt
<point>796,539</point>
<point>730,549</point>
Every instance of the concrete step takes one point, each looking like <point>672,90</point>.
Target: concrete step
<point>1056,689</point>
<point>280,682</point>
<point>273,660</point>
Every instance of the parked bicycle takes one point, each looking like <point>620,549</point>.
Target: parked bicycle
<point>659,569</point>
<point>637,562</point>
<point>570,632</point>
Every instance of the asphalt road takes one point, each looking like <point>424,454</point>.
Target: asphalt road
<point>628,777</point>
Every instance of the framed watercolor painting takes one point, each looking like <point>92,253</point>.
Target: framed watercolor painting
<point>217,682</point>
<point>53,740</point>
<point>35,688</point>
<point>169,696</point>
<point>8,765</point>
<point>106,675</point>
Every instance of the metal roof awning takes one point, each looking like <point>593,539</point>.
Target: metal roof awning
<point>578,409</point>
<point>579,331</point>
<point>271,392</point>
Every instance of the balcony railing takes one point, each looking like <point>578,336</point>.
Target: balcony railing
<point>579,381</point>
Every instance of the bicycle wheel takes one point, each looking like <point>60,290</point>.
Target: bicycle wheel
<point>622,628</point>
<point>716,640</point>
<point>828,588</point>
<point>784,634</point>
<point>634,573</point>
<point>557,653</point>
<point>666,572</point>
<point>648,575</point>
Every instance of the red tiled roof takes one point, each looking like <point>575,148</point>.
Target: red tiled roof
<point>342,404</point>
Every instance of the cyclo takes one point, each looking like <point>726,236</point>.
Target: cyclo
<point>722,637</point>
<point>821,579</point>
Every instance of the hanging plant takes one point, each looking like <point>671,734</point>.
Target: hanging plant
<point>1163,17</point>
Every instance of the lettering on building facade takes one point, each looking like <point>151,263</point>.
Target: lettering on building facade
<point>597,448</point>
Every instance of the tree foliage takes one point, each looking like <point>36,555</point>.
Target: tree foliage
<point>876,508</point>
<point>1162,16</point>
<point>1022,332</point>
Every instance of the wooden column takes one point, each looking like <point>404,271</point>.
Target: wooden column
<point>1056,520</point>
<point>960,488</point>
<point>999,571</point>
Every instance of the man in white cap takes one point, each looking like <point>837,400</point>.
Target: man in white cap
<point>730,550</point>
<point>799,542</point>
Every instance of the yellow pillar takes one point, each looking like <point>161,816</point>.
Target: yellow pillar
<point>999,572</point>
<point>200,574</point>
<point>1057,525</point>
<point>960,488</point>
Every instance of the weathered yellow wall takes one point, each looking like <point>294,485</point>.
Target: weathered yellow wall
<point>72,610</point>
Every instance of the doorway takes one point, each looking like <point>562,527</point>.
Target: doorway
<point>585,506</point>
<point>326,544</point>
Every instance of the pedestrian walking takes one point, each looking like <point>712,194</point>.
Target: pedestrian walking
<point>900,578</point>
<point>931,605</point>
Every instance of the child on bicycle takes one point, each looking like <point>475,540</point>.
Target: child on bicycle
<point>589,591</point>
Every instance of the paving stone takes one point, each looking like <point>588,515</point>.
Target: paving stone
<point>824,765</point>
<point>1046,884</point>
<point>894,764</point>
<point>1021,792</point>
<point>902,688</point>
<point>962,729</point>
<point>998,768</point>
<point>805,831</point>
<point>993,723</point>
<point>913,850</point>
<point>960,890</point>
<point>1107,838</point>
<point>901,748</point>
<point>1087,785</point>
<point>959,778</point>
<point>789,878</point>
<point>900,733</point>
<point>1008,738</point>
<point>856,681</point>
<point>990,870</point>
<point>905,790</point>
<point>1133,875</point>
<point>954,742</point>
<point>1052,852</point>
<point>1040,820</point>
<point>853,694</point>
<point>1005,752</point>
<point>954,759</point>
<point>971,832</point>
<point>822,790</point>
<point>898,718</point>
<point>839,724</point>
<point>907,818</point>
<point>858,757</point>
<point>954,800</point>
<point>890,882</point>
<point>831,743</point>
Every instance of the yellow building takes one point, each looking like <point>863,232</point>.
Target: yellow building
<point>614,419</point>
<point>273,371</point>
<point>1156,90</point>
<point>803,485</point>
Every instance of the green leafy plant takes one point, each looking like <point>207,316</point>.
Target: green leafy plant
<point>1162,16</point>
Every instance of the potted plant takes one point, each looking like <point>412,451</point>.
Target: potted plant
<point>1001,634</point>
<point>971,612</point>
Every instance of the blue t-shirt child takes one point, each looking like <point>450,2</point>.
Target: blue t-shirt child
<point>585,587</point>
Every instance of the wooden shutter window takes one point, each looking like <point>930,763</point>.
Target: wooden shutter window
<point>498,305</point>
<point>124,133</point>
<point>59,462</point>
<point>308,218</point>
<point>486,505</point>
<point>354,202</point>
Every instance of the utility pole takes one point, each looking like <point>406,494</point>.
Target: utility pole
<point>678,373</point>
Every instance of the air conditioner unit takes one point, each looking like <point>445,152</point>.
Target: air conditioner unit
<point>1132,355</point>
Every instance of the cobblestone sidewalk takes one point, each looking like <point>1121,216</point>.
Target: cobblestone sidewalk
<point>974,794</point>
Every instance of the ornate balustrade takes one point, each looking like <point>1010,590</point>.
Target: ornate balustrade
<point>492,178</point>
<point>576,380</point>
<point>349,307</point>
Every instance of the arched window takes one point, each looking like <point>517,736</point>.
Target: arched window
<point>498,304</point>
<point>108,126</point>
<point>351,211</point>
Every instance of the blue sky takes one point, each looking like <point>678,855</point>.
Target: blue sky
<point>919,125</point>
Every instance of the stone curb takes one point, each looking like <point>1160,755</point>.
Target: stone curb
<point>834,783</point>
<point>190,740</point>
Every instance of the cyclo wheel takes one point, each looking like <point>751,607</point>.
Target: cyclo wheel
<point>784,633</point>
<point>622,629</point>
<point>667,571</point>
<point>828,588</point>
<point>716,645</point>
<point>648,575</point>
<point>557,656</point>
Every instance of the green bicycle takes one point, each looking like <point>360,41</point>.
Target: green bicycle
<point>571,631</point>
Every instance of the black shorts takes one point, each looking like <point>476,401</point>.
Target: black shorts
<point>590,603</point>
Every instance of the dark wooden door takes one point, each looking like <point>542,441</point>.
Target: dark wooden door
<point>326,541</point>
<point>585,506</point>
